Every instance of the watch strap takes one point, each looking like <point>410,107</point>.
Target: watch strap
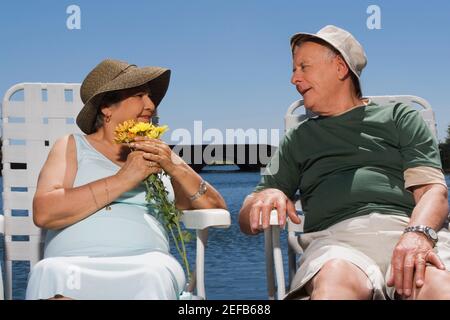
<point>201,191</point>
<point>423,229</point>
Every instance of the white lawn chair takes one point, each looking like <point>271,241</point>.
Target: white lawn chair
<point>274,258</point>
<point>46,112</point>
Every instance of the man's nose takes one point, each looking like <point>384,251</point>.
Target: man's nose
<point>293,79</point>
<point>296,78</point>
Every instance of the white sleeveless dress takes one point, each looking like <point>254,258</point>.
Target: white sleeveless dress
<point>122,253</point>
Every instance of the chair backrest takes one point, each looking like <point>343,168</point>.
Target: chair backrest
<point>35,115</point>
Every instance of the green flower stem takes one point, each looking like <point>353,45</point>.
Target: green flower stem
<point>182,251</point>
<point>169,214</point>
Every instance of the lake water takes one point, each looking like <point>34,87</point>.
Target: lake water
<point>234,262</point>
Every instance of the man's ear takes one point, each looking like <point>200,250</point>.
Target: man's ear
<point>343,71</point>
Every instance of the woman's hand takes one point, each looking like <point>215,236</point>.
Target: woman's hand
<point>159,152</point>
<point>136,169</point>
<point>185,180</point>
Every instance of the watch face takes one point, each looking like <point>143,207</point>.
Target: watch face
<point>432,234</point>
<point>203,189</point>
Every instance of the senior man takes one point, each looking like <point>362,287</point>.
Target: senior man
<point>370,180</point>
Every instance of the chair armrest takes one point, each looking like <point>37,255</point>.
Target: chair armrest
<point>200,219</point>
<point>273,219</point>
<point>274,258</point>
<point>292,227</point>
<point>2,225</point>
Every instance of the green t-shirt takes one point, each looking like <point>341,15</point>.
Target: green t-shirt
<point>352,164</point>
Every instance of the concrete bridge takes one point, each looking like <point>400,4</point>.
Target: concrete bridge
<point>248,157</point>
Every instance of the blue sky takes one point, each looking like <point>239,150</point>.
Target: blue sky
<point>230,60</point>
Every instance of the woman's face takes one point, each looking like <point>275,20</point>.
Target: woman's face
<point>138,107</point>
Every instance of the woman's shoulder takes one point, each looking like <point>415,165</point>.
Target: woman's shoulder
<point>64,147</point>
<point>64,143</point>
<point>61,165</point>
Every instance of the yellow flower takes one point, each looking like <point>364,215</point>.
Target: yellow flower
<point>122,133</point>
<point>142,128</point>
<point>162,129</point>
<point>125,126</point>
<point>120,137</point>
<point>156,132</point>
<point>127,131</point>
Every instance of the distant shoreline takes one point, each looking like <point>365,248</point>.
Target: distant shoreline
<point>444,150</point>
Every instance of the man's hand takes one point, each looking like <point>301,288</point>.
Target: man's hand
<point>260,204</point>
<point>409,260</point>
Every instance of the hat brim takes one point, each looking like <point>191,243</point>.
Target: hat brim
<point>158,82</point>
<point>303,36</point>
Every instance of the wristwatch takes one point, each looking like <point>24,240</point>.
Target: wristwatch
<point>429,232</point>
<point>201,191</point>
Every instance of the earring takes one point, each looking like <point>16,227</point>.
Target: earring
<point>107,119</point>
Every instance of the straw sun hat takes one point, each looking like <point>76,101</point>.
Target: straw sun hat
<point>112,75</point>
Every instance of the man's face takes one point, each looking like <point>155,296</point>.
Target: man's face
<point>315,76</point>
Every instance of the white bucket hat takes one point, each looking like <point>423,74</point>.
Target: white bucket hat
<point>343,41</point>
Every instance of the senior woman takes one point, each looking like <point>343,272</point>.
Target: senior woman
<point>103,241</point>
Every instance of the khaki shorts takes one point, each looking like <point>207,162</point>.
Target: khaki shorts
<point>367,241</point>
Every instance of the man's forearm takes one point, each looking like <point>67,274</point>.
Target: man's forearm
<point>431,208</point>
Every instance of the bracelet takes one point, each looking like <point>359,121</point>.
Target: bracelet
<point>201,191</point>
<point>107,207</point>
<point>93,196</point>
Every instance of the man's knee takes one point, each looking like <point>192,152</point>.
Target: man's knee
<point>336,271</point>
<point>333,280</point>
<point>436,285</point>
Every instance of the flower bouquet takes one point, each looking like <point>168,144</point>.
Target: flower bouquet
<point>156,194</point>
